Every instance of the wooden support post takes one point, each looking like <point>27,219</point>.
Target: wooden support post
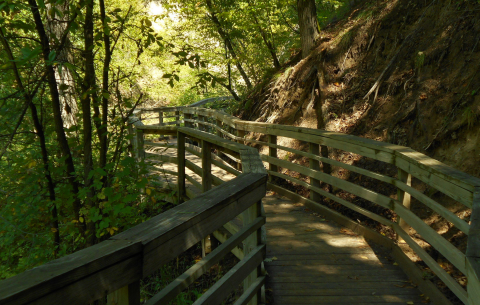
<point>250,243</point>
<point>272,152</point>
<point>219,133</point>
<point>201,126</point>
<point>206,166</point>
<point>314,148</point>
<point>133,140</point>
<point>140,149</point>
<point>188,116</point>
<point>182,193</point>
<point>128,295</point>
<point>177,118</point>
<point>206,179</point>
<point>240,134</point>
<point>160,123</point>
<point>404,198</point>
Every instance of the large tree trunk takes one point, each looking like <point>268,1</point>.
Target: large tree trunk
<point>307,20</point>
<point>56,28</point>
<point>228,43</point>
<point>57,113</point>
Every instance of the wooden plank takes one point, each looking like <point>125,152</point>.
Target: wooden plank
<point>450,252</point>
<point>251,291</point>
<point>473,244</point>
<point>417,276</point>
<point>199,171</point>
<point>314,149</point>
<point>473,285</point>
<point>194,182</point>
<point>425,174</point>
<point>153,129</point>
<point>432,204</point>
<point>217,161</point>
<point>189,276</point>
<point>181,166</point>
<point>206,166</point>
<point>272,152</point>
<point>183,226</point>
<point>221,289</point>
<point>331,196</point>
<point>54,275</point>
<point>235,147</point>
<point>344,300</point>
<point>222,237</point>
<point>127,295</point>
<point>96,285</point>
<point>320,291</point>
<point>345,279</point>
<point>402,196</point>
<point>162,158</point>
<point>360,191</point>
<point>427,259</point>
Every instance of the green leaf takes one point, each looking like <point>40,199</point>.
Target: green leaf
<point>52,55</point>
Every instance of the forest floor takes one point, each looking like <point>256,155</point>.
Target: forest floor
<point>403,72</point>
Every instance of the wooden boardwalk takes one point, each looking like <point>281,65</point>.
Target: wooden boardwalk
<point>311,260</point>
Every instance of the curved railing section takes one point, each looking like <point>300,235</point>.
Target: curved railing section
<point>271,139</point>
<point>114,268</point>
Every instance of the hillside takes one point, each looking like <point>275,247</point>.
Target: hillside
<point>428,97</point>
<point>403,72</point>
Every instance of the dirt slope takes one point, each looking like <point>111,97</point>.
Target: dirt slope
<point>429,97</point>
<point>399,71</point>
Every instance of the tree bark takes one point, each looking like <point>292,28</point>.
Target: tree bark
<point>105,93</point>
<point>228,43</point>
<point>57,27</point>
<point>57,113</point>
<point>307,20</point>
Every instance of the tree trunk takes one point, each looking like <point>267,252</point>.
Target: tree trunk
<point>228,43</point>
<point>56,28</point>
<point>57,113</point>
<point>307,20</point>
<point>270,46</point>
<point>89,85</point>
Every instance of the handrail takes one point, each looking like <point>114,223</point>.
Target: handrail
<point>458,185</point>
<point>114,267</point>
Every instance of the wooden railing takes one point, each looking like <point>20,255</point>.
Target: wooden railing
<point>457,185</point>
<point>114,267</point>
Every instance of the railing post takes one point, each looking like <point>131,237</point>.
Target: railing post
<point>127,295</point>
<point>240,134</point>
<point>160,122</point>
<point>181,166</point>
<point>473,252</point>
<point>314,149</point>
<point>272,152</point>
<point>249,244</point>
<point>206,166</point>
<point>219,133</point>
<point>188,116</point>
<point>201,126</point>
<point>132,140</point>
<point>206,179</point>
<point>177,118</point>
<point>404,198</point>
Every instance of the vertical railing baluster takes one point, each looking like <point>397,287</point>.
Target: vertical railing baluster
<point>404,198</point>
<point>188,116</point>
<point>160,122</point>
<point>140,149</point>
<point>181,166</point>
<point>272,152</point>
<point>127,295</point>
<point>206,179</point>
<point>240,134</point>
<point>314,149</point>
<point>249,244</point>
